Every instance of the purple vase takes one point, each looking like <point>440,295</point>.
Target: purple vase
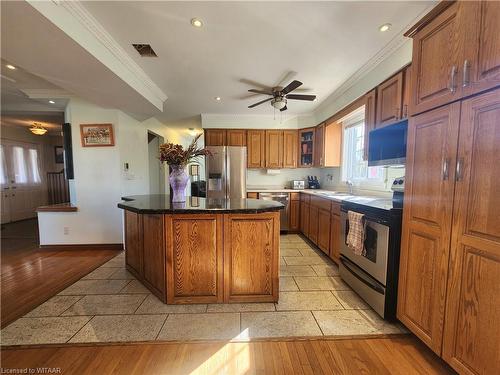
<point>178,181</point>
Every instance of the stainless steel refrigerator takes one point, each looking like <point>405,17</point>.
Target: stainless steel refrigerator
<point>226,172</point>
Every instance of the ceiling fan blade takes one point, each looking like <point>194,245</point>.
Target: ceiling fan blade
<point>283,109</point>
<point>286,77</point>
<point>301,97</point>
<point>250,82</point>
<point>261,92</point>
<point>291,86</point>
<point>259,103</point>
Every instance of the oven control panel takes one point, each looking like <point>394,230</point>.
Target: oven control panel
<point>398,184</point>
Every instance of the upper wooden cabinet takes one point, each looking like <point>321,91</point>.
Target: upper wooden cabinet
<point>370,118</point>
<point>290,141</point>
<point>256,142</point>
<point>274,148</point>
<point>306,147</point>
<point>456,54</point>
<point>390,100</point>
<point>237,137</point>
<point>319,146</point>
<point>215,137</point>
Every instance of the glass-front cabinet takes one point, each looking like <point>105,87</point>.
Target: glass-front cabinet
<point>306,137</point>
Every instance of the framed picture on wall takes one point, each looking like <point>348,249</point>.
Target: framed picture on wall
<point>97,135</point>
<point>59,154</point>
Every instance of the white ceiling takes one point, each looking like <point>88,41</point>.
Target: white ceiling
<point>324,42</point>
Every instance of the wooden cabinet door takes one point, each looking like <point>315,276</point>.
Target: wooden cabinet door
<point>319,146</point>
<point>312,233</point>
<point>335,238</point>
<point>251,252</point>
<point>472,331</point>
<point>304,218</point>
<point>481,61</point>
<point>236,137</point>
<point>389,100</point>
<point>194,258</point>
<point>370,118</point>
<point>133,241</point>
<point>324,222</point>
<point>256,148</point>
<point>406,91</point>
<point>294,224</point>
<point>437,59</point>
<point>290,148</point>
<point>215,137</point>
<point>428,200</point>
<point>154,253</point>
<point>274,148</point>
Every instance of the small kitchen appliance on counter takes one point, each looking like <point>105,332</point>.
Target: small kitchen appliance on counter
<point>298,184</point>
<point>312,182</point>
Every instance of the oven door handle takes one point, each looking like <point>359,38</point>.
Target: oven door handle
<point>371,284</point>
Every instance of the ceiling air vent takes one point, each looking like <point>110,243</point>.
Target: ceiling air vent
<point>145,50</point>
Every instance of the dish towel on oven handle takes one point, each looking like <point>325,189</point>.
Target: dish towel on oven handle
<point>356,234</point>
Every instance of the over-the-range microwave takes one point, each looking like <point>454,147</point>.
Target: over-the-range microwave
<point>387,145</point>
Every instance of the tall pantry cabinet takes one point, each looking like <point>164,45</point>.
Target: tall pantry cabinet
<point>449,288</point>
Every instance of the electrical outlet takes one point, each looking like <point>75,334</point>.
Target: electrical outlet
<point>66,231</point>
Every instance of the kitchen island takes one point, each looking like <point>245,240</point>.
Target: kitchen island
<point>203,250</point>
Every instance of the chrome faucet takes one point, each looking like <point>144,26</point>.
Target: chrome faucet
<point>349,186</point>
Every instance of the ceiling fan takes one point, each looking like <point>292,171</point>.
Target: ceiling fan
<point>280,95</point>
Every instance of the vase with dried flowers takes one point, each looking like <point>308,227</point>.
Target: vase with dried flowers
<point>178,158</point>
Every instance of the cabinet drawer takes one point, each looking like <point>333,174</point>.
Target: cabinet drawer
<point>295,196</point>
<point>336,208</point>
<point>305,197</point>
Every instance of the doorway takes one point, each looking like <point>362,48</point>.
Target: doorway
<point>156,169</point>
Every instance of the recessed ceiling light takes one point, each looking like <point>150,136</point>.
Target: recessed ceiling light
<point>196,22</point>
<point>385,27</point>
<point>52,102</point>
<point>11,67</point>
<point>217,98</point>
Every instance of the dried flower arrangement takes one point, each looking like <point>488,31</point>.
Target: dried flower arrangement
<point>173,154</point>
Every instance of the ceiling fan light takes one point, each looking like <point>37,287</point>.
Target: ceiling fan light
<point>38,129</point>
<point>278,102</point>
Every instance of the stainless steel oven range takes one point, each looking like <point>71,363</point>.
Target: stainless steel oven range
<point>374,276</point>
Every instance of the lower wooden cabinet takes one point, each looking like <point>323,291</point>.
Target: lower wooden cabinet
<point>304,218</point>
<point>194,258</point>
<point>335,237</point>
<point>294,216</point>
<point>324,221</point>
<point>312,234</point>
<point>251,258</point>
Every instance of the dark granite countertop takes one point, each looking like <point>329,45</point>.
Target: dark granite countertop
<point>160,203</point>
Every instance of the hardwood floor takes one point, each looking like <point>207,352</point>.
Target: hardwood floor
<point>30,276</point>
<point>402,355</point>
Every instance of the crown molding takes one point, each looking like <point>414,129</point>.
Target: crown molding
<point>396,43</point>
<point>136,77</point>
<point>46,93</point>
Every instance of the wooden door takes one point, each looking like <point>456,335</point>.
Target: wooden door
<point>236,137</point>
<point>431,155</point>
<point>133,242</point>
<point>274,148</point>
<point>335,237</point>
<point>304,218</point>
<point>370,118</point>
<point>312,233</point>
<point>437,58</point>
<point>324,222</point>
<point>389,100</point>
<point>194,258</point>
<point>251,257</point>
<point>256,148</point>
<point>319,146</point>
<point>290,148</point>
<point>215,137</point>
<point>481,62</point>
<point>294,224</point>
<point>155,253</point>
<point>472,331</point>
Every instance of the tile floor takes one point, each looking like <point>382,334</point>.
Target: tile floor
<point>109,305</point>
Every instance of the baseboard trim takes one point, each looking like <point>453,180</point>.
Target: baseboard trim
<point>97,246</point>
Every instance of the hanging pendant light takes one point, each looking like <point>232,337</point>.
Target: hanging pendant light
<point>38,129</point>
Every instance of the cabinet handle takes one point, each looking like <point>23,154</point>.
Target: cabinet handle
<point>405,111</point>
<point>466,74</point>
<point>453,74</point>
<point>459,171</point>
<point>396,115</point>
<point>446,172</point>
